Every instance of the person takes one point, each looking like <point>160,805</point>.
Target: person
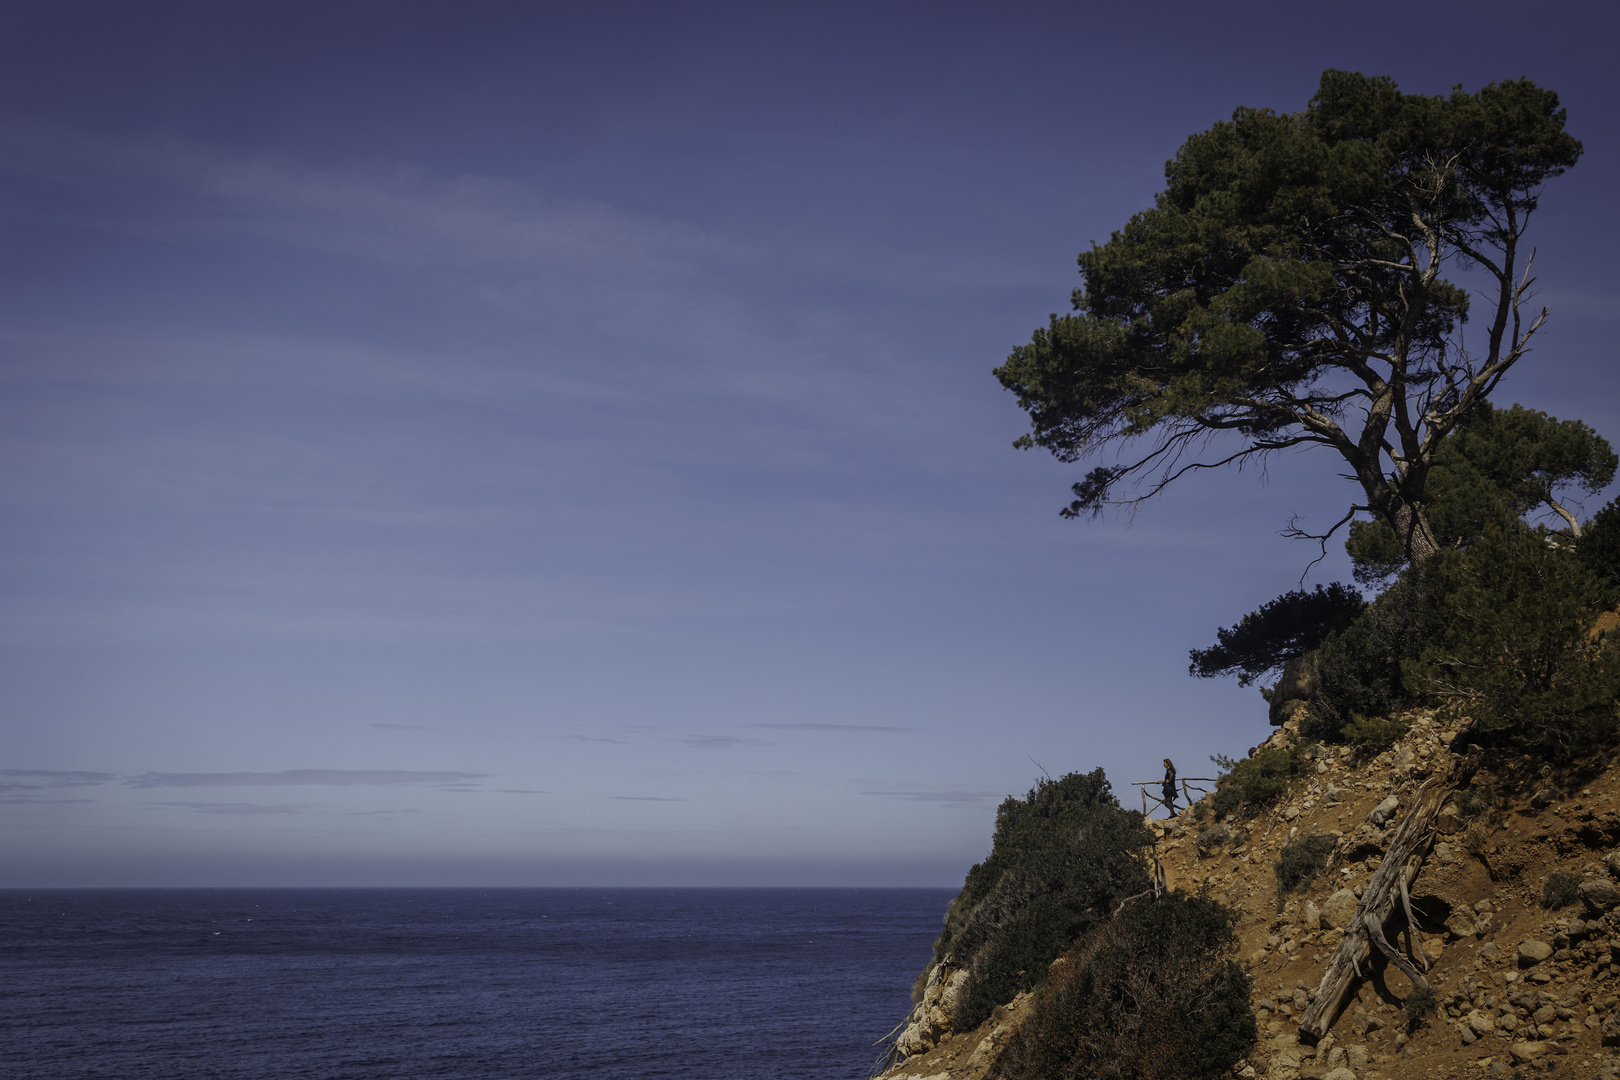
<point>1169,788</point>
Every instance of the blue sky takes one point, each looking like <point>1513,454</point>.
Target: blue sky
<point>543,444</point>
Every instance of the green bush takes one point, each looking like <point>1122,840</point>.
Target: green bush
<point>1359,670</point>
<point>1418,1005</point>
<point>1255,781</point>
<point>1151,995</point>
<point>1560,890</point>
<point>1299,863</point>
<point>1375,732</point>
<point>1061,860</point>
<point>1516,653</point>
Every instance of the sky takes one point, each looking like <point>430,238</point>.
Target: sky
<point>543,444</point>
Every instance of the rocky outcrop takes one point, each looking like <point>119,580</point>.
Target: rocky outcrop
<point>1293,690</point>
<point>930,1019</point>
<point>1517,985</point>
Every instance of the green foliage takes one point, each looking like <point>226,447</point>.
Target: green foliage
<point>1151,995</point>
<point>1499,465</point>
<point>1517,653</point>
<point>1299,863</point>
<point>1255,781</point>
<point>1560,889</point>
<point>1062,858</point>
<point>1418,1005</point>
<point>1473,804</point>
<point>1359,671</point>
<point>1599,545</point>
<point>1283,251</point>
<point>1289,626</point>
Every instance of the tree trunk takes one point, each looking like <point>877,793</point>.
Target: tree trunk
<point>1387,889</point>
<point>1411,524</point>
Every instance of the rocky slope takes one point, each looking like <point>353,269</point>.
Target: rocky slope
<point>1521,988</point>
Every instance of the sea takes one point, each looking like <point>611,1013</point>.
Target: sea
<point>483,984</point>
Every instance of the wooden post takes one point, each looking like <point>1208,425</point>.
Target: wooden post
<point>1379,900</point>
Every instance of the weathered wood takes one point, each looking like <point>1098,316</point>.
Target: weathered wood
<point>1365,930</point>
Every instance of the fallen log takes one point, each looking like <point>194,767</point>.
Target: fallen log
<point>1387,890</point>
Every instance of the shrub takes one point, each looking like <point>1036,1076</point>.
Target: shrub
<point>1061,860</point>
<point>1377,732</point>
<point>1516,652</point>
<point>1299,863</point>
<point>1255,781</point>
<point>1359,670</point>
<point>1560,889</point>
<point>1419,1004</point>
<point>1473,803</point>
<point>1151,995</point>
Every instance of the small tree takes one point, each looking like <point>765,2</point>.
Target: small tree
<point>1285,291</point>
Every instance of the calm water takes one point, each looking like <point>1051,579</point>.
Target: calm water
<point>751,984</point>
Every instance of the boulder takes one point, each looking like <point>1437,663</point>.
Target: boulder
<point>1525,1052</point>
<point>1460,925</point>
<point>1384,811</point>
<point>1533,952</point>
<point>1481,1023</point>
<point>1338,909</point>
<point>1599,895</point>
<point>1449,822</point>
<point>1613,863</point>
<point>1341,1073</point>
<point>1313,916</point>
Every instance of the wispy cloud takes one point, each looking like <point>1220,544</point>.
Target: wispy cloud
<point>722,742</point>
<point>233,809</point>
<point>19,800</point>
<point>952,797</point>
<point>303,777</point>
<point>647,798</point>
<point>48,779</point>
<point>596,738</point>
<point>520,791</point>
<point>836,727</point>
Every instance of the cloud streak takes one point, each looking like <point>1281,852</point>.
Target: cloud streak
<point>233,809</point>
<point>836,727</point>
<point>304,778</point>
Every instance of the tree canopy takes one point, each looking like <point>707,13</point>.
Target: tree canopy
<point>1291,625</point>
<point>1285,291</point>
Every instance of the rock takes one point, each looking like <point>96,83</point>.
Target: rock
<point>1341,1073</point>
<point>1449,821</point>
<point>1338,909</point>
<point>1611,1029</point>
<point>1460,925</point>
<point>1545,1015</point>
<point>1480,1022</point>
<point>1613,863</point>
<point>1293,689</point>
<point>1543,798</point>
<point>1384,811</point>
<point>1446,854</point>
<point>1533,952</point>
<point>1467,1033</point>
<point>1356,1057</point>
<point>1313,916</point>
<point>1598,895</point>
<point>1524,1052</point>
<point>1302,1000</point>
<point>1213,839</point>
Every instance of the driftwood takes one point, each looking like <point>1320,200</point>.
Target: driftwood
<point>1387,889</point>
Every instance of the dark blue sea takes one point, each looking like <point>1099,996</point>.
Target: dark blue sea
<point>357,984</point>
